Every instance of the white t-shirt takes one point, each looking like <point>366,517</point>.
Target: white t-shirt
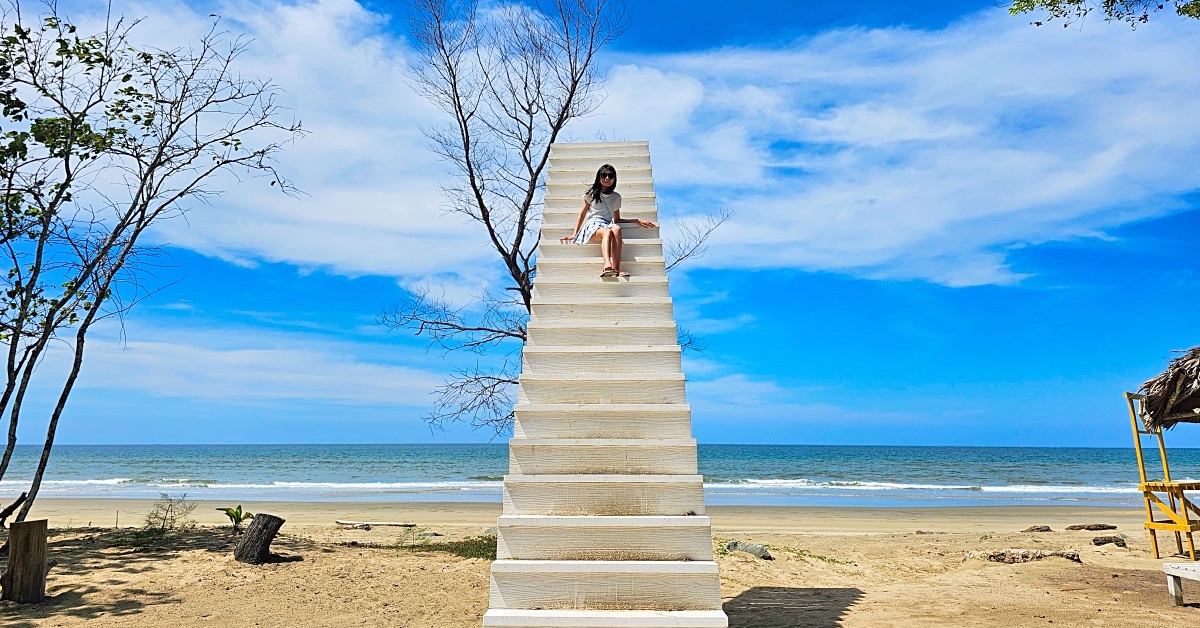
<point>602,208</point>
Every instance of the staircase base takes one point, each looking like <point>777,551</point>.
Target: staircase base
<point>507,618</point>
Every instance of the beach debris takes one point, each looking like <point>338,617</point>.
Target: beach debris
<point>924,532</point>
<point>1037,529</point>
<point>1105,540</point>
<point>1012,556</point>
<point>255,546</point>
<point>430,533</point>
<point>1094,527</point>
<point>355,526</point>
<point>750,548</point>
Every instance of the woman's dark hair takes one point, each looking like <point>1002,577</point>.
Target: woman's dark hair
<point>597,188</point>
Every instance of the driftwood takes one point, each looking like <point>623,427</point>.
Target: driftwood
<point>255,546</point>
<point>25,580</point>
<point>374,524</point>
<point>1174,396</point>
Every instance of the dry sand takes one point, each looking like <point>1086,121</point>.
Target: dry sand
<point>833,567</point>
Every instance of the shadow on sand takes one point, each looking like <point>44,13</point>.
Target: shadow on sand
<point>785,607</point>
<point>87,552</point>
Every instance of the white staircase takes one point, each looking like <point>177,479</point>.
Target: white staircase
<point>603,523</point>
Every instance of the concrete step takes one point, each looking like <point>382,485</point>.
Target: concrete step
<point>565,219</point>
<point>604,495</point>
<point>569,207</point>
<point>582,174</point>
<point>605,585</point>
<point>597,286</point>
<point>559,456</point>
<point>584,333</point>
<point>562,196</point>
<point>646,247</point>
<point>602,421</point>
<point>608,310</point>
<point>629,231</point>
<point>540,537</point>
<point>639,187</point>
<point>601,150</point>
<point>583,360</point>
<point>601,388</point>
<point>591,163</point>
<point>515,618</point>
<point>582,267</point>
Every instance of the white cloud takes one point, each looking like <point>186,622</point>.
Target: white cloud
<point>889,153</point>
<point>372,190</point>
<point>217,364</point>
<point>897,153</point>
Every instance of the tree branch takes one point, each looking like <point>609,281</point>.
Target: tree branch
<point>692,242</point>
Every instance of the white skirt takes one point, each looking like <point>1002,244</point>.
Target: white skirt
<point>589,228</point>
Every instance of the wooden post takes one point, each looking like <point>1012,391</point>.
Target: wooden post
<point>25,580</point>
<point>255,546</point>
<point>1131,399</point>
<point>1175,588</point>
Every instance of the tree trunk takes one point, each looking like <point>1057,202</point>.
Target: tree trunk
<point>52,428</point>
<point>10,509</point>
<point>255,546</point>
<point>25,580</point>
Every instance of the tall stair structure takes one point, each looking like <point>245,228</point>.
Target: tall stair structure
<point>603,523</point>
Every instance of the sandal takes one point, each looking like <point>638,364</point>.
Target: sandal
<point>621,274</point>
<point>608,272</point>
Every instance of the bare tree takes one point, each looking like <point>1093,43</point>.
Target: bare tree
<point>510,77</point>
<point>124,136</point>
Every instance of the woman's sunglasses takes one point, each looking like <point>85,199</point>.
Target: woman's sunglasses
<point>608,175</point>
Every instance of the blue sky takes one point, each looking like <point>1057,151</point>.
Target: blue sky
<point>951,228</point>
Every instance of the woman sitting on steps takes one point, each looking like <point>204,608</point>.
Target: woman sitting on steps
<point>600,218</point>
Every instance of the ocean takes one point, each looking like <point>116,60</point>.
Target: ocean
<point>733,474</point>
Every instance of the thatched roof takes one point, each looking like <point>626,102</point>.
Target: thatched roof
<point>1174,396</point>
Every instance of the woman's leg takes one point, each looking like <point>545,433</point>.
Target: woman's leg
<point>606,243</point>
<point>617,243</point>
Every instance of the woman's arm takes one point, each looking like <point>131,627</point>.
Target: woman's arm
<point>578,224</point>
<point>617,218</point>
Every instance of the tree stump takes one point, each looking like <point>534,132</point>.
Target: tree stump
<point>25,580</point>
<point>255,546</point>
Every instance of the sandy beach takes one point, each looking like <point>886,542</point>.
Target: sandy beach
<point>831,567</point>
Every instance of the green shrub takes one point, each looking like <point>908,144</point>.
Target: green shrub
<point>170,513</point>
<point>473,547</point>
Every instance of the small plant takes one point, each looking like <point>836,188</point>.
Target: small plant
<point>483,546</point>
<point>170,513</point>
<point>236,516</point>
